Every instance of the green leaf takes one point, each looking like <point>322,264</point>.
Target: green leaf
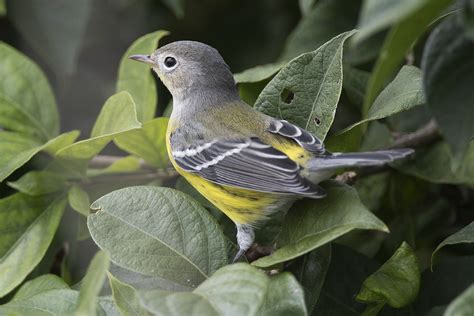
<point>395,283</point>
<point>434,164</point>
<point>44,296</point>
<point>402,94</point>
<point>463,305</point>
<point>79,200</point>
<point>28,225</point>
<point>137,79</point>
<point>57,38</point>
<point>122,165</point>
<point>318,27</point>
<point>377,15</point>
<point>148,143</point>
<point>43,283</point>
<point>25,87</point>
<point>177,6</point>
<point>117,116</point>
<point>3,8</point>
<point>310,270</point>
<point>467,12</point>
<point>91,285</point>
<point>306,6</point>
<point>355,84</point>
<point>465,235</point>
<point>288,97</point>
<point>158,232</point>
<point>126,298</point>
<point>258,73</point>
<point>398,42</point>
<point>447,73</point>
<point>237,289</point>
<point>313,223</point>
<point>17,150</point>
<point>39,183</point>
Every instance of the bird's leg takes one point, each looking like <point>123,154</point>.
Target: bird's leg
<point>245,238</point>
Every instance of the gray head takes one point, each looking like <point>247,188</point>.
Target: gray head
<point>192,69</point>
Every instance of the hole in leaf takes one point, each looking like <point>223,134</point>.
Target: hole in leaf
<point>287,96</point>
<point>317,121</point>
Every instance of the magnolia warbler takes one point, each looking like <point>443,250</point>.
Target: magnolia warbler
<point>248,164</point>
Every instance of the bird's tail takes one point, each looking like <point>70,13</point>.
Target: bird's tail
<point>360,159</point>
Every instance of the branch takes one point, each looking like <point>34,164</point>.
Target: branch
<point>425,135</point>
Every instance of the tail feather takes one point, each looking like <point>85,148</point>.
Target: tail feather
<point>361,159</point>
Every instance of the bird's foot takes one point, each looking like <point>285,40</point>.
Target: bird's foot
<point>245,238</point>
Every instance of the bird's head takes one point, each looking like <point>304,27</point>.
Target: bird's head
<point>188,68</point>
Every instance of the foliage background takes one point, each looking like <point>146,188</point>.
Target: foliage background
<point>405,78</point>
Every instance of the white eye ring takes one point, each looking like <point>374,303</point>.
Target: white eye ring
<point>170,62</point>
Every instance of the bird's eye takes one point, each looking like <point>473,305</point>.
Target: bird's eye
<point>170,62</point>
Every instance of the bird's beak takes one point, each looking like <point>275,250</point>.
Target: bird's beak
<point>143,58</point>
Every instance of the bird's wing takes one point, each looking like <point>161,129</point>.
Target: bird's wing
<point>302,137</point>
<point>246,163</point>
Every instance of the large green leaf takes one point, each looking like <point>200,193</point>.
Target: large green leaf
<point>159,232</point>
<point>118,115</point>
<point>377,15</point>
<point>28,225</point>
<point>148,143</point>
<point>465,235</point>
<point>327,19</point>
<point>395,283</point>
<point>126,298</point>
<point>238,289</point>
<point>313,223</point>
<point>463,305</point>
<point>91,285</point>
<point>79,200</point>
<point>398,42</point>
<point>57,37</point>
<point>402,94</point>
<point>44,296</point>
<point>310,270</point>
<point>306,91</point>
<point>136,78</point>
<point>448,71</point>
<point>25,88</point>
<point>39,183</point>
<point>434,164</point>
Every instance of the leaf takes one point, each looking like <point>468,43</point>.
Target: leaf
<point>258,73</point>
<point>117,116</point>
<point>44,296</point>
<point>43,283</point>
<point>347,271</point>
<point>434,164</point>
<point>463,305</point>
<point>39,182</point>
<point>25,87</point>
<point>237,289</point>
<point>377,15</point>
<point>467,13</point>
<point>79,200</point>
<point>355,83</point>
<point>122,165</point>
<point>464,235</point>
<point>57,37</point>
<point>322,71</point>
<point>395,283</point>
<point>306,6</point>
<point>126,298</point>
<point>177,6</point>
<point>136,78</point>
<point>28,225</point>
<point>91,285</point>
<point>402,94</point>
<point>313,223</point>
<point>398,42</point>
<point>3,8</point>
<point>447,71</point>
<point>310,271</point>
<point>318,27</point>
<point>148,143</point>
<point>158,232</point>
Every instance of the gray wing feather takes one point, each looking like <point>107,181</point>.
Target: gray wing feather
<point>246,163</point>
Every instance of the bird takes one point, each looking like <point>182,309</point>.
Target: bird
<point>246,163</point>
